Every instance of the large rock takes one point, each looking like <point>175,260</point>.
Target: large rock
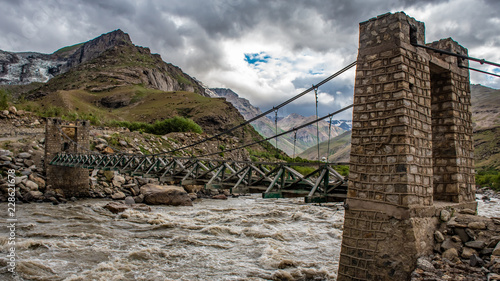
<point>31,185</point>
<point>451,254</point>
<point>118,180</point>
<point>155,194</point>
<point>116,207</point>
<point>118,196</point>
<point>33,196</point>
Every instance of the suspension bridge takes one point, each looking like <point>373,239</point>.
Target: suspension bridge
<point>322,183</point>
<point>411,156</point>
<point>272,179</point>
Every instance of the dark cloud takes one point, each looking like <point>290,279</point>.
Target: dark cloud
<point>193,34</point>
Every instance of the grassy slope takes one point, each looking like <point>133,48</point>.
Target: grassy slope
<point>340,147</point>
<point>486,117</point>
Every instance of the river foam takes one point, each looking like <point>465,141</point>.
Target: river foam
<point>246,238</point>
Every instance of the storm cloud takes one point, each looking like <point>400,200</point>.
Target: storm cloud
<point>223,43</point>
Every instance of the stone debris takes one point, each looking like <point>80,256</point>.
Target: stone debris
<point>467,247</point>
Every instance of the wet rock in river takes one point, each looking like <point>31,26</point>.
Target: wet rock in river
<point>155,194</point>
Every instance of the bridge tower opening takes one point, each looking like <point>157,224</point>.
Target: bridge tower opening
<point>412,153</point>
<point>70,137</point>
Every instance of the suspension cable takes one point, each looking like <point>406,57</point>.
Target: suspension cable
<point>276,127</point>
<point>317,123</point>
<point>478,70</point>
<point>481,61</point>
<point>265,113</point>
<point>284,133</point>
<point>294,142</point>
<point>329,134</point>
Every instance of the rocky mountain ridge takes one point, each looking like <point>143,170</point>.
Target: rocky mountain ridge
<point>306,137</point>
<point>28,67</point>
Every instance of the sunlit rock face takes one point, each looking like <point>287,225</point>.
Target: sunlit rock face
<point>27,67</point>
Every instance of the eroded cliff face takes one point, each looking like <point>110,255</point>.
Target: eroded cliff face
<point>103,63</point>
<point>24,68</point>
<point>27,67</point>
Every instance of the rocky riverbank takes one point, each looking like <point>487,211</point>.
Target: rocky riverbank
<point>467,247</point>
<point>24,154</point>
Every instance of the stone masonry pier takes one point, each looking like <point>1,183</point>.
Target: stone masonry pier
<point>412,150</point>
<point>72,181</point>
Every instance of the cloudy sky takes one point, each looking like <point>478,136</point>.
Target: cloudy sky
<point>265,50</point>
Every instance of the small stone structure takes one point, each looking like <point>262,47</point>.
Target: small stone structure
<point>74,182</point>
<point>412,150</point>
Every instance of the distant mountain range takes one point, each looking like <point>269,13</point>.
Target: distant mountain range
<point>109,78</point>
<point>266,126</point>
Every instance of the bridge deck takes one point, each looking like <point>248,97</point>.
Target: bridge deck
<point>274,180</point>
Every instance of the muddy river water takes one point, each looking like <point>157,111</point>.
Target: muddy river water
<point>245,238</point>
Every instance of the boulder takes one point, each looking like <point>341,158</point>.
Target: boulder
<point>13,109</point>
<point>129,200</point>
<point>155,194</point>
<point>33,195</point>
<point>116,207</point>
<point>118,180</point>
<point>24,155</point>
<point>476,244</point>
<point>438,236</point>
<point>496,251</point>
<point>451,254</point>
<point>467,253</point>
<point>31,185</point>
<point>220,197</point>
<point>476,225</point>
<point>139,198</point>
<point>118,196</point>
<point>445,215</point>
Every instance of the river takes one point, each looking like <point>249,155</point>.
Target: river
<point>245,238</point>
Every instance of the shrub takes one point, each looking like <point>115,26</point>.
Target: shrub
<point>489,178</point>
<point>4,99</point>
<point>176,124</point>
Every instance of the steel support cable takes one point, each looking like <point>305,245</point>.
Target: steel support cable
<point>478,70</point>
<point>481,61</point>
<point>317,123</point>
<point>294,143</point>
<point>276,127</point>
<point>265,113</point>
<point>283,133</point>
<point>329,134</point>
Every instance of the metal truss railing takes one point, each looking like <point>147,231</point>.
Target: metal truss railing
<point>275,180</point>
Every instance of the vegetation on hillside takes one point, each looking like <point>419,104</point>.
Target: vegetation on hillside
<point>68,48</point>
<point>488,178</point>
<point>4,99</point>
<point>175,124</point>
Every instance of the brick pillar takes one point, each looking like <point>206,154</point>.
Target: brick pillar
<point>72,181</point>
<point>451,125</point>
<point>391,214</point>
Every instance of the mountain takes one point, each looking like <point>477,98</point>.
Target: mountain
<point>109,78</point>
<point>266,126</point>
<point>28,67</point>
<point>486,119</point>
<point>340,149</point>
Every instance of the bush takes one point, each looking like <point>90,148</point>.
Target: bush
<point>488,178</point>
<point>176,124</point>
<point>4,99</point>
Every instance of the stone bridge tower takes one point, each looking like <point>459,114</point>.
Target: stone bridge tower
<point>412,150</point>
<point>72,181</point>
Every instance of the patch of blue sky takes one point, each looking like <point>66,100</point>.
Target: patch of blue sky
<point>257,58</point>
<point>316,72</point>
